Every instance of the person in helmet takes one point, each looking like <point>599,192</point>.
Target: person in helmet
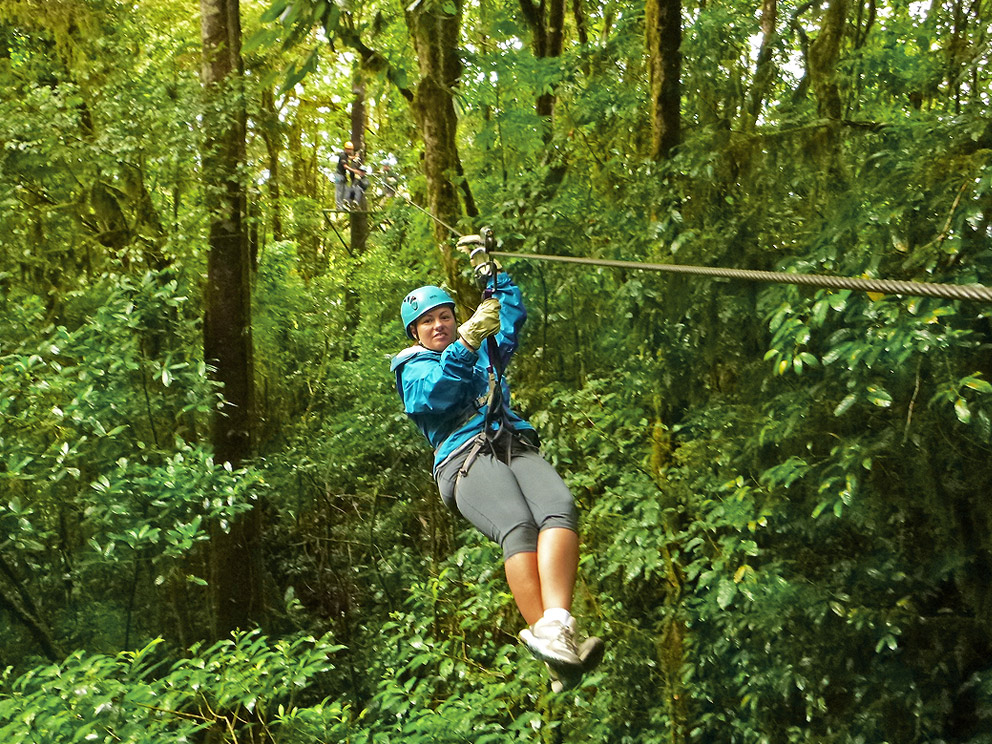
<point>486,459</point>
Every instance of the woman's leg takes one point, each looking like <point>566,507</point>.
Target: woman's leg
<point>557,565</point>
<point>553,509</point>
<point>529,511</point>
<point>545,578</point>
<point>489,497</point>
<point>525,584</point>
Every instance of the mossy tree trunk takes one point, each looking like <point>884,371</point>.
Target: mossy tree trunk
<point>434,32</point>
<point>663,29</point>
<point>227,339</point>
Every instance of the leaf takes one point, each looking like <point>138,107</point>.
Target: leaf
<point>838,301</point>
<point>962,411</point>
<point>982,386</point>
<point>295,74</point>
<point>263,37</point>
<point>845,404</point>
<point>834,354</point>
<point>274,11</point>
<point>725,593</point>
<point>879,397</point>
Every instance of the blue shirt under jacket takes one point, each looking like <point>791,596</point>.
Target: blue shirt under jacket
<point>445,392</point>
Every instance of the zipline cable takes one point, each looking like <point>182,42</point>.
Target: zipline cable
<point>976,292</point>
<point>413,204</point>
<point>439,221</point>
<point>972,292</point>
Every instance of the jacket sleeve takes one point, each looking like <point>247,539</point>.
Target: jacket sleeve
<point>429,384</point>
<point>512,316</point>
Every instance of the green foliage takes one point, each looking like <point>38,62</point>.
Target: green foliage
<point>248,688</point>
<point>97,475</point>
<point>99,143</point>
<point>191,492</point>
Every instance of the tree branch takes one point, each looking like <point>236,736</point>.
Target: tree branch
<point>372,60</point>
<point>38,631</point>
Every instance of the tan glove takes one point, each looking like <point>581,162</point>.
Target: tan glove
<point>483,323</point>
<point>474,247</point>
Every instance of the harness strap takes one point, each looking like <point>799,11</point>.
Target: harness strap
<point>502,442</point>
<point>473,453</point>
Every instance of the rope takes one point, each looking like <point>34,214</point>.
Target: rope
<point>976,292</point>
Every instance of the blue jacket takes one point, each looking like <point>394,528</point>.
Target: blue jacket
<point>445,392</point>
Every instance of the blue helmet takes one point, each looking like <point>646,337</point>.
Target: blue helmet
<point>420,301</point>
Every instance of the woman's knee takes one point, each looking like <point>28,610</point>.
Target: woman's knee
<point>519,539</point>
<point>566,516</point>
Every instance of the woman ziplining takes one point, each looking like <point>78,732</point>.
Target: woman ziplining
<point>487,464</point>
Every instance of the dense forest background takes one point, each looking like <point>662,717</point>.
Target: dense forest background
<point>217,526</point>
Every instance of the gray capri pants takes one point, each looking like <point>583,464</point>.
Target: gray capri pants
<point>509,503</point>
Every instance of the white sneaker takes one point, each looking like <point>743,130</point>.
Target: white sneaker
<point>590,653</point>
<point>554,643</point>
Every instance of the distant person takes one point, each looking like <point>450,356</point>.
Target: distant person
<point>486,459</point>
<point>348,172</point>
<point>343,175</point>
<point>388,182</point>
<point>359,184</point>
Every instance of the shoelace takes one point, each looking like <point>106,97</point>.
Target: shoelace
<point>565,638</point>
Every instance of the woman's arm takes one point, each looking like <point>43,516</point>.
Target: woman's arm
<point>512,315</point>
<point>438,386</point>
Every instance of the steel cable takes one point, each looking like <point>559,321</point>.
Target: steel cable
<point>975,292</point>
<point>971,292</point>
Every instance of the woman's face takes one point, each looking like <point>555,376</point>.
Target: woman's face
<point>435,329</point>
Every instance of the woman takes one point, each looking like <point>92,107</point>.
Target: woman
<point>486,461</point>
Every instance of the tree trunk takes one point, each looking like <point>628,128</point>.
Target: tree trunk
<point>434,33</point>
<point>227,343</point>
<point>764,69</point>
<point>663,28</point>
<point>547,28</point>
<point>297,164</point>
<point>581,32</point>
<point>358,219</point>
<point>823,55</point>
<point>270,130</point>
<point>579,16</point>
<point>25,610</point>
<point>359,118</point>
